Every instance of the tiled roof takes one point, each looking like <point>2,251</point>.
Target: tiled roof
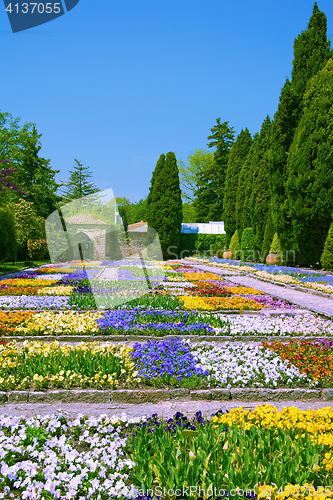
<point>85,219</point>
<point>130,227</point>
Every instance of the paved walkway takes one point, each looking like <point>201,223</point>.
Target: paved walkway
<point>314,303</point>
<point>166,408</point>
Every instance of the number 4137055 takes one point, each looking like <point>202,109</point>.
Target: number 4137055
<point>40,8</point>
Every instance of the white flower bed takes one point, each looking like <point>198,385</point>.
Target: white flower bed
<point>280,277</point>
<point>78,459</point>
<point>246,366</point>
<point>301,325</point>
<point>318,286</point>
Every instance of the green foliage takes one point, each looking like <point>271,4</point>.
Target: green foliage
<point>311,52</point>
<point>245,186</point>
<point>188,212</point>
<point>28,225</point>
<point>216,457</point>
<point>260,195</point>
<point>310,164</point>
<point>201,244</point>
<point>248,250</point>
<point>268,237</point>
<point>275,246</point>
<point>235,246</point>
<point>37,249</point>
<point>36,178</point>
<point>164,204</point>
<point>236,158</point>
<point>197,163</point>
<point>8,242</point>
<point>326,259</point>
<point>132,212</point>
<point>209,195</point>
<point>78,184</point>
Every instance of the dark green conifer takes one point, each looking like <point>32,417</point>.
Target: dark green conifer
<point>245,185</point>
<point>236,158</point>
<point>310,164</point>
<point>164,204</point>
<point>209,195</point>
<point>260,196</point>
<point>311,52</point>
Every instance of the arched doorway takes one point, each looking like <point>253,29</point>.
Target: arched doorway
<point>87,246</point>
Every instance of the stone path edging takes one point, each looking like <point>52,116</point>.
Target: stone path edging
<point>133,338</point>
<point>139,396</point>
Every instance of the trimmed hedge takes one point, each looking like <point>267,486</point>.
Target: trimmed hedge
<point>235,246</point>
<point>248,250</point>
<point>327,255</point>
<point>204,245</point>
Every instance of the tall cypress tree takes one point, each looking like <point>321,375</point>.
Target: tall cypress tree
<point>260,196</point>
<point>164,204</point>
<point>209,195</point>
<point>311,52</point>
<point>245,185</point>
<point>236,158</point>
<point>310,163</point>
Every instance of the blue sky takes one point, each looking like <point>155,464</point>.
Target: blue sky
<point>115,84</point>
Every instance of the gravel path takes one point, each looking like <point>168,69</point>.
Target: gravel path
<point>165,408</point>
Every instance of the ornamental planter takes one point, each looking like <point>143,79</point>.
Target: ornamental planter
<point>273,258</point>
<point>227,254</point>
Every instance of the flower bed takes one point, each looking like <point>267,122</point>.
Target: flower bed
<point>37,365</point>
<point>54,457</point>
<point>165,363</point>
<point>246,366</point>
<point>217,303</point>
<point>260,453</point>
<point>299,325</point>
<point>313,359</point>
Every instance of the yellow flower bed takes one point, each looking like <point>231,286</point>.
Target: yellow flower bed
<point>16,360</point>
<point>213,303</point>
<point>28,282</point>
<point>201,276</point>
<point>56,290</point>
<point>242,290</point>
<point>317,423</point>
<point>63,323</point>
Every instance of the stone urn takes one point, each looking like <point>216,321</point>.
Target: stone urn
<point>227,254</point>
<point>272,259</point>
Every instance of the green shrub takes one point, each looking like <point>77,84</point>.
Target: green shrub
<point>268,238</point>
<point>276,248</point>
<point>201,244</point>
<point>248,251</point>
<point>8,244</point>
<point>327,255</point>
<point>235,246</point>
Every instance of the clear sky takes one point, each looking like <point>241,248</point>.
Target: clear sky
<point>115,84</point>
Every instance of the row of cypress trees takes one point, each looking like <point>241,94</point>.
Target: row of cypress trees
<point>281,180</point>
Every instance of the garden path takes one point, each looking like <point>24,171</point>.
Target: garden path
<point>307,300</point>
<point>165,408</point>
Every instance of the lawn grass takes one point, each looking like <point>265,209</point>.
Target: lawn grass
<point>9,267</point>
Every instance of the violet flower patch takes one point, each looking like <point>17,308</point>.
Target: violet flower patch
<point>168,360</point>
